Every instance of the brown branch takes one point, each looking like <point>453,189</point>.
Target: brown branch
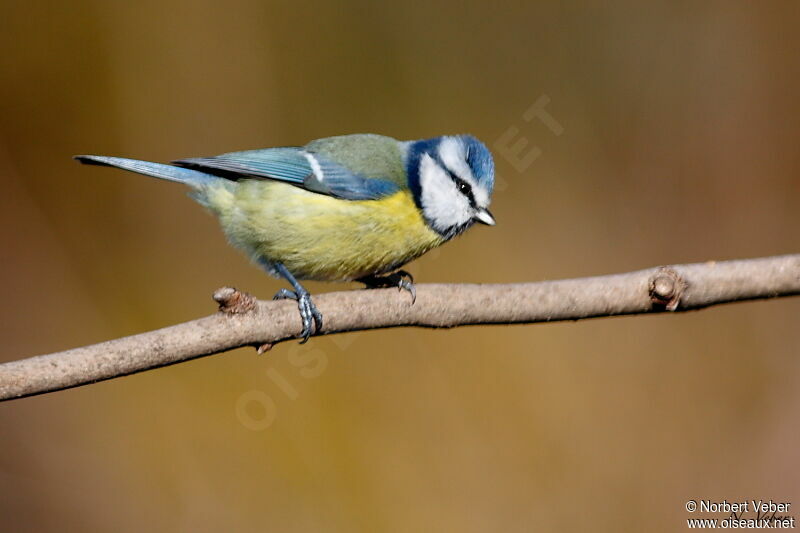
<point>244,321</point>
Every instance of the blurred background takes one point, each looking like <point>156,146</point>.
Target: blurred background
<point>672,137</point>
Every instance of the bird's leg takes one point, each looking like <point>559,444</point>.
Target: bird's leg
<point>308,311</point>
<point>401,279</point>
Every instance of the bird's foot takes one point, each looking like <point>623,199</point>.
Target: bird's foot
<point>308,311</point>
<point>401,279</point>
<point>405,282</point>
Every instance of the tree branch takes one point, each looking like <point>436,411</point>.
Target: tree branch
<point>245,321</point>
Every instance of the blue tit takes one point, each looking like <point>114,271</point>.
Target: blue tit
<point>353,207</point>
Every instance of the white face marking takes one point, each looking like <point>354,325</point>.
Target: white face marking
<point>442,203</point>
<point>453,154</point>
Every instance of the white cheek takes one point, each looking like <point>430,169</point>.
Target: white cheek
<point>442,204</point>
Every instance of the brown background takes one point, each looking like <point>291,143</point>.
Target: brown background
<point>679,144</point>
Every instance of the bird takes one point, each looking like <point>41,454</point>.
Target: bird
<point>346,208</point>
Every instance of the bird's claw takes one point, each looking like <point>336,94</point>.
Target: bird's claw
<point>308,311</point>
<point>401,279</point>
<point>405,282</point>
<point>285,294</point>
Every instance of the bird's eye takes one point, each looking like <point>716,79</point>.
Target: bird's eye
<point>464,188</point>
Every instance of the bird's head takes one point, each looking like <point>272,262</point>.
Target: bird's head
<point>451,178</point>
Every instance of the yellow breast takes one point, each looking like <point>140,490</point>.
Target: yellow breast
<point>320,237</point>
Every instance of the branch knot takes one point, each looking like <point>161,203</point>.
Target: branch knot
<point>232,301</point>
<point>666,288</point>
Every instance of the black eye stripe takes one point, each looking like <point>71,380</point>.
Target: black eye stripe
<point>464,187</point>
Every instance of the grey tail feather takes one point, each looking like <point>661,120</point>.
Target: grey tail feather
<point>193,178</point>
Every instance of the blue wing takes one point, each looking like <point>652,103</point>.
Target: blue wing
<point>309,170</point>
